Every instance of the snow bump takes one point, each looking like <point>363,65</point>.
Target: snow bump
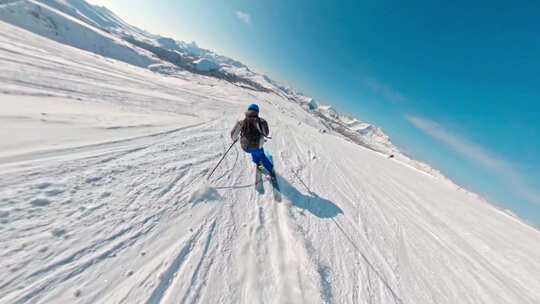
<point>4,213</point>
<point>40,202</point>
<point>205,192</point>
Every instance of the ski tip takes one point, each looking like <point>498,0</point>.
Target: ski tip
<point>277,196</point>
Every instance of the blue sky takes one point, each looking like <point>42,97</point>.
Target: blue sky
<point>453,83</point>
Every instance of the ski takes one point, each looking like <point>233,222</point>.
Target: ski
<point>259,186</point>
<point>273,180</point>
<point>275,188</point>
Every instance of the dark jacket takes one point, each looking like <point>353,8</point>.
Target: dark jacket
<point>259,123</point>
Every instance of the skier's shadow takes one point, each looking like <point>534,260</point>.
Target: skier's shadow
<point>316,205</point>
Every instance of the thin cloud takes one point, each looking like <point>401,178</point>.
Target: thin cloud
<point>384,90</point>
<point>508,174</point>
<point>244,17</point>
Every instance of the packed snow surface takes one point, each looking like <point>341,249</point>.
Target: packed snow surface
<point>104,198</point>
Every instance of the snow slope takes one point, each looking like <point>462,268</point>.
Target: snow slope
<point>98,30</point>
<point>128,217</point>
<point>54,24</point>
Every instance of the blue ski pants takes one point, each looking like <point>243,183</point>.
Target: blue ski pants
<point>258,156</point>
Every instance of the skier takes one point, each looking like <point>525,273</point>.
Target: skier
<point>252,131</point>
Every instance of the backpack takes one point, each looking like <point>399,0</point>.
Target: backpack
<point>251,129</point>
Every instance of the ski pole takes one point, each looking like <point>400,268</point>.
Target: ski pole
<point>222,158</point>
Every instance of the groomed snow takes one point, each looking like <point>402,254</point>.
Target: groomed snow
<point>32,123</point>
<point>132,219</point>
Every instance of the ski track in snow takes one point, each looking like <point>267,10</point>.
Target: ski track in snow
<point>132,220</point>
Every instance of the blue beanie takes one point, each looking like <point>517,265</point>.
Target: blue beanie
<point>253,107</point>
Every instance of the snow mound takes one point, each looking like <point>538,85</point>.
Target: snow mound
<point>204,193</point>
